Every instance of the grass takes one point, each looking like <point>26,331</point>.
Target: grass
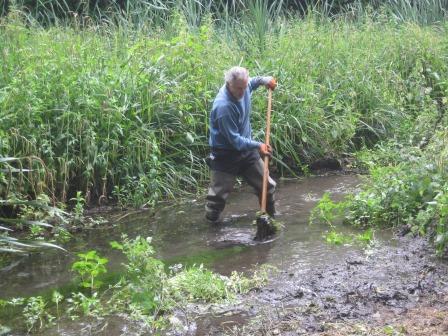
<point>122,113</point>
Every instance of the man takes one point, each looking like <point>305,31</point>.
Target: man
<point>233,152</point>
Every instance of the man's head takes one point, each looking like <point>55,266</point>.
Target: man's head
<point>237,79</point>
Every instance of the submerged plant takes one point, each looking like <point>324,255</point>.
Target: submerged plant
<point>337,238</point>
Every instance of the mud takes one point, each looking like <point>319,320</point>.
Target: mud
<point>381,290</point>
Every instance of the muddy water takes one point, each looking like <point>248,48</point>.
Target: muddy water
<point>182,235</point>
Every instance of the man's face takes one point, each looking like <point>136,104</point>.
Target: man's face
<point>238,87</point>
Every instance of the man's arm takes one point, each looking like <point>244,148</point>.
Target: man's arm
<point>267,81</point>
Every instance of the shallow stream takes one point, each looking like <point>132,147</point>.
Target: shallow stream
<point>182,235</point>
<point>317,282</point>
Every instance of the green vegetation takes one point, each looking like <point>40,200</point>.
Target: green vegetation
<point>146,292</point>
<point>114,107</point>
<point>111,105</point>
<point>407,186</point>
<point>90,267</point>
<point>338,238</point>
<point>329,212</point>
<point>119,112</point>
<point>411,192</point>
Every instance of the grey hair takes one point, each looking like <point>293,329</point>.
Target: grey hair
<point>236,73</point>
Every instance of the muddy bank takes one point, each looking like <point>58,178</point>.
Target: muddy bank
<point>378,291</point>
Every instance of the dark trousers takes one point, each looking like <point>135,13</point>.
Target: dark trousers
<point>225,167</point>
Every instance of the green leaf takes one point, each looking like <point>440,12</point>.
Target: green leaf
<point>116,245</point>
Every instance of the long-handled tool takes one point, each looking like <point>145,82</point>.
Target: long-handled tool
<point>265,224</point>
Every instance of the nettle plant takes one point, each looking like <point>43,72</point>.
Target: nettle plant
<point>78,209</point>
<point>89,267</point>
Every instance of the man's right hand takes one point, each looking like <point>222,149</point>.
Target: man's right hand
<point>270,82</point>
<point>265,149</point>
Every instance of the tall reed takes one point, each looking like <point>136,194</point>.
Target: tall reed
<point>118,108</point>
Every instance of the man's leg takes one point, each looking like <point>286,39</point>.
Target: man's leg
<point>254,177</point>
<point>221,185</point>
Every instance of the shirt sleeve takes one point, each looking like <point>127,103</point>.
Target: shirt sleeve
<point>255,82</point>
<point>227,123</point>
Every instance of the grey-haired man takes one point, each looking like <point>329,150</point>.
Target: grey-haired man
<point>233,152</point>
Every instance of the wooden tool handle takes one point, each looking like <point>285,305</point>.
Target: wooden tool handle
<point>264,190</point>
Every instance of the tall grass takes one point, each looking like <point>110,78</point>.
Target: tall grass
<point>423,11</point>
<point>118,108</point>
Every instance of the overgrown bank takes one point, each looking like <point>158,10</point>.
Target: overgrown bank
<point>114,112</point>
<point>406,188</point>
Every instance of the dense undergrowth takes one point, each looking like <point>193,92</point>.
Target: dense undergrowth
<point>406,188</point>
<point>117,109</point>
<point>113,112</point>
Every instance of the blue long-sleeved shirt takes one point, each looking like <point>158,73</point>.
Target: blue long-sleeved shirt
<point>230,119</point>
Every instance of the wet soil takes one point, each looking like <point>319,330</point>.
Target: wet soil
<point>383,290</point>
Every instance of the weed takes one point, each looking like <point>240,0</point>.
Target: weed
<point>89,267</point>
<point>327,211</point>
<point>86,305</point>
<point>337,238</point>
<point>35,314</point>
<point>366,237</point>
<point>78,209</point>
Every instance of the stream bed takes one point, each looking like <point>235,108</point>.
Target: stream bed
<point>317,285</point>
